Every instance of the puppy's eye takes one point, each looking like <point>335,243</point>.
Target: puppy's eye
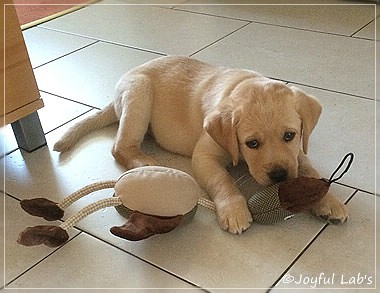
<point>289,135</point>
<point>252,144</point>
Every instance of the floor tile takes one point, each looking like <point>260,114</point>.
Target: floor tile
<point>347,124</point>
<point>129,26</point>
<point>343,256</point>
<point>45,45</point>
<point>20,258</point>
<point>341,64</point>
<point>90,75</point>
<point>337,19</point>
<point>102,266</point>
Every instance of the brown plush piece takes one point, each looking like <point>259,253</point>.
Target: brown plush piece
<point>51,236</point>
<point>300,194</point>
<point>141,226</point>
<point>42,207</point>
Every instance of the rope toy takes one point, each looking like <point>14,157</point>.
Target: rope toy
<point>155,200</point>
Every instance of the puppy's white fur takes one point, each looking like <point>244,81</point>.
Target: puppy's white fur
<point>217,116</point>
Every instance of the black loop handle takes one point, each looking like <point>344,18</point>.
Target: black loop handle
<point>349,156</point>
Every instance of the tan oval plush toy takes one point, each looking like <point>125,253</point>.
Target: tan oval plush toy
<point>155,200</point>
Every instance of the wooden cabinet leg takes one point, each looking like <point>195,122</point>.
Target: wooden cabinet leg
<point>29,133</point>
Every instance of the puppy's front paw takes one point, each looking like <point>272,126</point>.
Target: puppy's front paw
<point>234,215</point>
<point>331,209</point>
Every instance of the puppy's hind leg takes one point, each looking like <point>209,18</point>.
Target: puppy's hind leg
<point>136,99</point>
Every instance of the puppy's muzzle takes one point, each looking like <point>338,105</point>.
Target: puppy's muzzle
<point>278,175</point>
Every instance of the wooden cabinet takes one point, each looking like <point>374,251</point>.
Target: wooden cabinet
<point>21,96</point>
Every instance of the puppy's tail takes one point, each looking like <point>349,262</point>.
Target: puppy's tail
<point>99,120</point>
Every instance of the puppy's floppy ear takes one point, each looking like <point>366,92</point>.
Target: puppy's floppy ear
<point>221,127</point>
<point>309,109</point>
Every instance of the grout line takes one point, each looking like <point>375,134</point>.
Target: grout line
<point>41,260</point>
<point>11,196</point>
<point>76,117</point>
<point>355,188</point>
<point>104,41</point>
<point>305,248</point>
<point>8,153</point>
<point>358,30</point>
<point>298,257</point>
<point>332,91</point>
<point>67,54</point>
<point>225,36</point>
<point>133,48</point>
<point>176,8</point>
<point>143,260</point>
<point>364,38</point>
<point>71,100</point>
<point>351,197</point>
<point>269,24</point>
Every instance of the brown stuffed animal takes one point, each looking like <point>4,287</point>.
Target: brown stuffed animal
<point>157,199</point>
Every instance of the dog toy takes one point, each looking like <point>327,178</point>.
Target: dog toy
<point>156,200</point>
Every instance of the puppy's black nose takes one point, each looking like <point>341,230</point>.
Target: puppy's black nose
<point>278,175</point>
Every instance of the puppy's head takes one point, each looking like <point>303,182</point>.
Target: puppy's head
<point>265,122</point>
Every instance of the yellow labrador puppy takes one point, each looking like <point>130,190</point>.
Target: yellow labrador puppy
<point>217,116</point>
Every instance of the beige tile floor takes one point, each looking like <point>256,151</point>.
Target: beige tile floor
<point>328,51</point>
